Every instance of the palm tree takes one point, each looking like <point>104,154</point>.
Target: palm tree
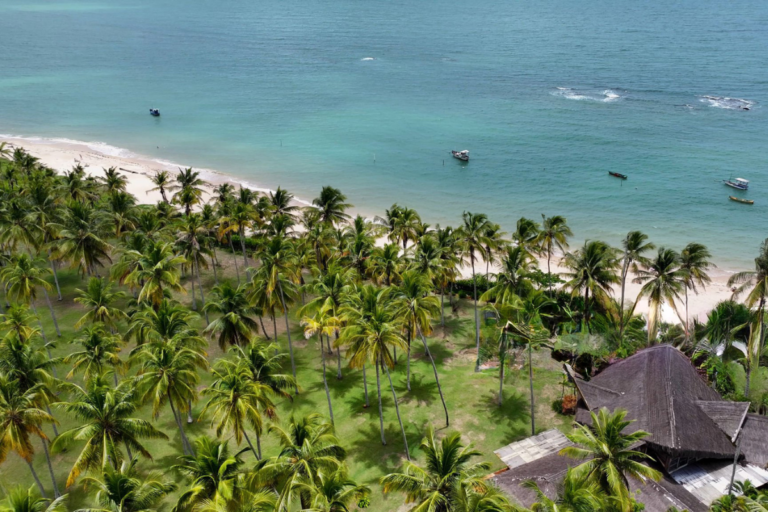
<point>371,331</point>
<point>236,402</point>
<point>80,238</point>
<point>162,182</point>
<point>264,362</point>
<point>610,461</point>
<point>335,491</point>
<point>662,280</point>
<point>331,205</point>
<point>45,214</point>
<point>24,500</point>
<point>276,276</point>
<point>416,308</point>
<point>236,325</point>
<point>527,234</point>
<point>468,498</point>
<point>635,244</point>
<point>386,264</point>
<point>20,419</point>
<point>124,490</point>
<point>694,262</point>
<point>322,323</point>
<point>513,279</point>
<point>448,467</point>
<point>17,322</point>
<point>100,349</point>
<point>22,278</point>
<point>593,270</point>
<point>156,270</point>
<point>98,299</point>
<point>240,218</point>
<point>472,241</point>
<point>281,202</point>
<point>189,187</point>
<point>495,243</point>
<point>213,473</point>
<point>449,261</point>
<point>308,449</point>
<point>113,181</point>
<point>192,244</point>
<point>553,235</point>
<point>106,420</point>
<point>574,495</point>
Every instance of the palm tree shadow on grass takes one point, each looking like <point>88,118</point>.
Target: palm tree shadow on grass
<point>368,452</point>
<point>423,390</point>
<point>513,415</point>
<point>438,350</point>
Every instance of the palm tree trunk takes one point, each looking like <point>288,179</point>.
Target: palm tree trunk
<point>258,444</point>
<point>687,334</point>
<point>215,263</point>
<point>202,294</point>
<point>274,328</point>
<point>549,271</point>
<point>397,410</point>
<point>192,283</point>
<point>288,332</point>
<point>56,492</point>
<point>55,430</point>
<point>55,275</point>
<point>381,408</point>
<point>232,248</point>
<point>42,333</point>
<point>263,329</point>
<point>248,440</point>
<point>477,319</point>
<point>339,376</point>
<point>184,441</point>
<point>586,309</point>
<point>624,271</point>
<point>442,307</point>
<point>37,480</point>
<point>502,354</point>
<point>114,375</point>
<point>130,453</point>
<point>530,381</point>
<point>408,363</point>
<point>53,315</point>
<point>434,369</point>
<point>325,381</point>
<point>365,388</point>
<point>242,245</point>
<point>189,412</point>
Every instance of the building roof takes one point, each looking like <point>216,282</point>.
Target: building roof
<point>662,391</point>
<point>532,448</point>
<point>754,439</point>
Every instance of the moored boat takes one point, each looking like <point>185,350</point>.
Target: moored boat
<point>154,112</point>
<point>740,200</point>
<point>461,155</point>
<point>738,183</point>
<point>617,175</point>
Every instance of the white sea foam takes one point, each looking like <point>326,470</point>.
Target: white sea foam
<point>367,58</point>
<point>606,96</point>
<point>727,103</point>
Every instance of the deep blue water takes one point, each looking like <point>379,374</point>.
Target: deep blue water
<point>548,96</point>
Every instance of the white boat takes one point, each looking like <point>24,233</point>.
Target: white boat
<point>738,183</point>
<point>461,155</point>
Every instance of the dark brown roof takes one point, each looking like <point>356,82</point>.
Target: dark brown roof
<point>548,473</point>
<point>729,416</point>
<point>754,439</point>
<point>661,390</point>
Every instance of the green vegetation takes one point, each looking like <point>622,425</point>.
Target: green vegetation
<point>238,352</point>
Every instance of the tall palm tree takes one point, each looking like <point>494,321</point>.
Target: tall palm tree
<point>106,421</point>
<point>610,459</point>
<point>81,237</point>
<point>448,466</point>
<point>236,402</point>
<point>514,277</point>
<point>265,363</point>
<point>449,261</point>
<point>371,331</point>
<point>335,491</point>
<point>156,270</point>
<point>574,495</point>
<point>20,419</point>
<point>98,299</point>
<point>240,217</point>
<point>17,322</point>
<point>236,325</point>
<point>593,270</point>
<point>332,206</point>
<point>308,449</point>
<point>189,189</point>
<point>25,500</point>
<point>322,323</point>
<point>469,498</point>
<point>100,349</point>
<point>494,245</point>
<point>277,276</point>
<point>46,210</point>
<point>113,181</point>
<point>162,182</point>
<point>554,234</point>
<point>281,203</point>
<point>472,241</point>
<point>22,278</point>
<point>662,280</point>
<point>191,243</point>
<point>694,262</point>
<point>526,234</point>
<point>416,308</point>
<point>634,245</point>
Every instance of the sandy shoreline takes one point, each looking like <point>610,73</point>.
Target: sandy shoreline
<point>62,155</point>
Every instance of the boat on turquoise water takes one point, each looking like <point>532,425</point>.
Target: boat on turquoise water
<point>461,155</point>
<point>740,200</point>
<point>618,175</point>
<point>738,183</point>
<point>154,112</point>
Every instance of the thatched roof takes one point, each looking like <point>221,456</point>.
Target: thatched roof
<point>754,439</point>
<point>662,391</point>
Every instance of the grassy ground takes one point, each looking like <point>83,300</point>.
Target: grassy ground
<point>471,398</point>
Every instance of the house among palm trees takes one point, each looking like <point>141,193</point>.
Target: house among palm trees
<point>695,434</point>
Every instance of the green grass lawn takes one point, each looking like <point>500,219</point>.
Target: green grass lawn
<point>471,399</point>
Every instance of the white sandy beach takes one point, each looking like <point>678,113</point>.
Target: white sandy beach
<point>63,155</point>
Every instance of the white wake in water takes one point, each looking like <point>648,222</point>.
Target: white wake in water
<point>606,96</point>
<point>727,103</point>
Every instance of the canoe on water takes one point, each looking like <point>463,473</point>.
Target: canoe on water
<point>739,200</point>
<point>617,175</point>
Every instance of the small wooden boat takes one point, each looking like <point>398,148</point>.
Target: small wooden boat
<point>461,155</point>
<point>154,112</point>
<point>740,200</point>
<point>618,175</point>
<point>738,183</point>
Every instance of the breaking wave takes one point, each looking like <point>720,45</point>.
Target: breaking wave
<point>606,96</point>
<point>727,103</point>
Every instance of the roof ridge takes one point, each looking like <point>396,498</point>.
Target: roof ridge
<point>670,405</point>
<point>598,386</point>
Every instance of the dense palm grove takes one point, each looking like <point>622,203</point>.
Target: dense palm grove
<point>369,294</point>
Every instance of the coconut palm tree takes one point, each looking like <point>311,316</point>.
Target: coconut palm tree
<point>472,240</point>
<point>191,244</point>
<point>239,218</point>
<point>189,189</point>
<point>495,244</point>
<point>106,421</point>
<point>634,245</point>
<point>99,299</point>
<point>416,308</point>
<point>25,500</point>
<point>236,402</point>
<point>236,324</point>
<point>322,323</point>
<point>662,280</point>
<point>281,203</point>
<point>21,418</point>
<point>574,495</point>
<point>17,323</point>
<point>156,270</point>
<point>593,270</point>
<point>265,363</point>
<point>694,262</point>
<point>100,349</point>
<point>554,234</point>
<point>162,182</point>
<point>513,279</point>
<point>526,234</point>
<point>448,467</point>
<point>46,209</point>
<point>331,206</point>
<point>335,492</point>
<point>125,490</point>
<point>469,498</point>
<point>610,459</point>
<point>309,448</point>
<point>113,181</point>
<point>22,278</point>
<point>80,238</point>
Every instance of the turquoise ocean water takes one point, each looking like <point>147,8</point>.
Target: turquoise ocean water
<point>548,96</point>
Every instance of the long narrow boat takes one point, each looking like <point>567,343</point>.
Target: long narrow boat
<point>617,175</point>
<point>740,200</point>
